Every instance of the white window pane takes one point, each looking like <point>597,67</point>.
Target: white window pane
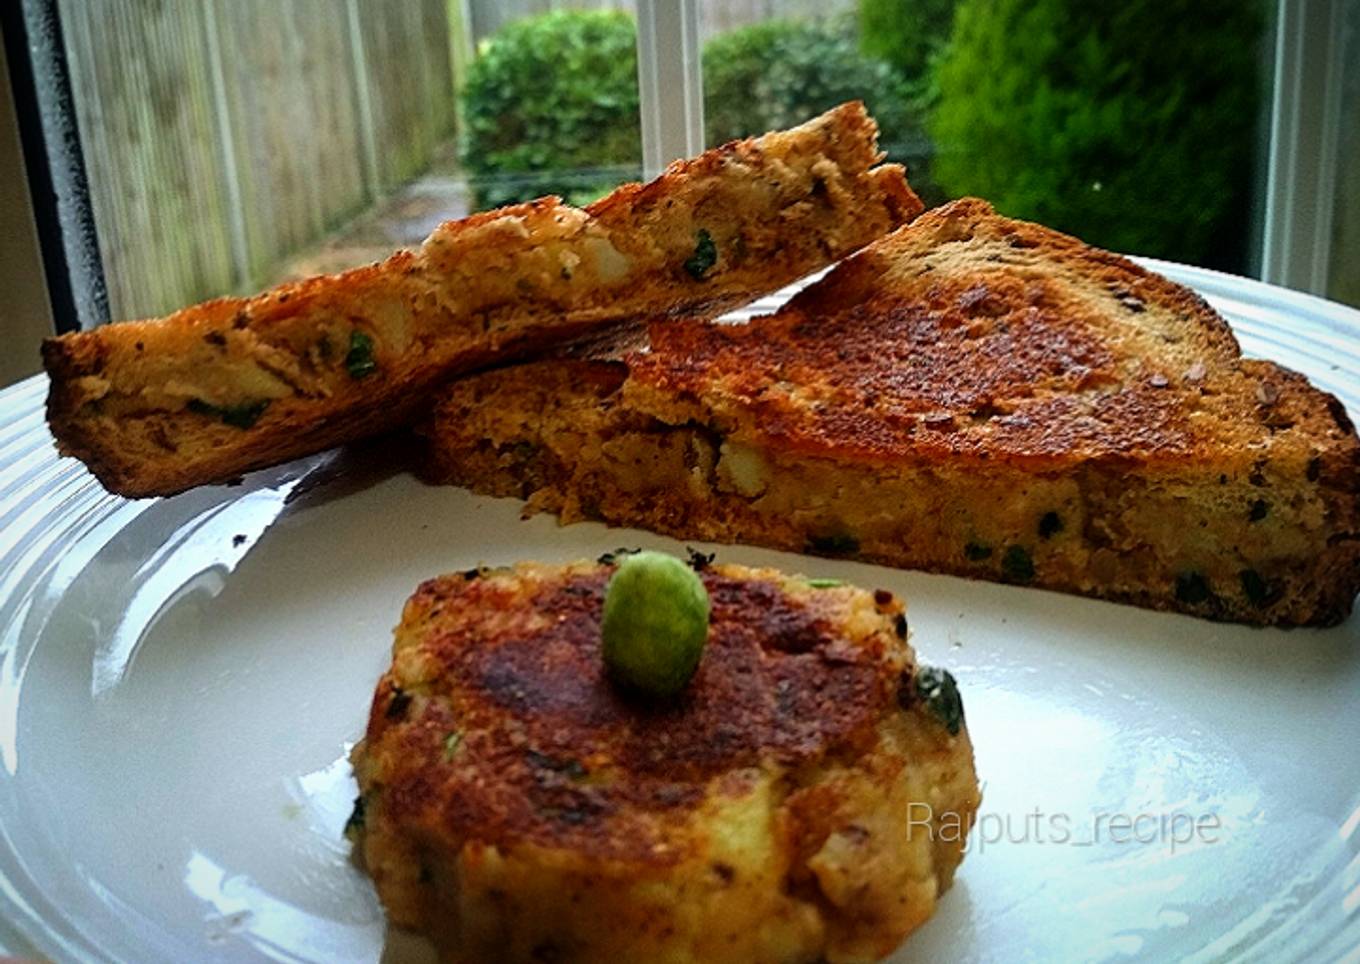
<point>1344,280</point>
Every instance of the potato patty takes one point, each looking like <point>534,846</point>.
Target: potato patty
<point>806,797</point>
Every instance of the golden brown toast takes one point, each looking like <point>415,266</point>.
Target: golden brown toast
<point>154,407</point>
<point>970,395</point>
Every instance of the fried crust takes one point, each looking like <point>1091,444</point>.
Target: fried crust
<point>499,757</point>
<point>501,653</point>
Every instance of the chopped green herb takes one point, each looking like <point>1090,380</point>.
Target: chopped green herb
<point>451,744</point>
<point>237,416</point>
<point>1050,524</point>
<point>825,583</point>
<point>611,558</point>
<point>977,551</point>
<point>355,824</point>
<point>837,545</point>
<point>705,254</point>
<point>1259,510</point>
<point>1192,588</point>
<point>1259,592</point>
<point>938,690</point>
<point>699,561</point>
<point>359,361</point>
<point>1017,565</point>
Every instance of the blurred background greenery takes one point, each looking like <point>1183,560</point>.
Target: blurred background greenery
<point>1132,125</point>
<point>230,146</point>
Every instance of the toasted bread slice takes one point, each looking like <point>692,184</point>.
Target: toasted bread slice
<point>970,395</point>
<point>154,407</point>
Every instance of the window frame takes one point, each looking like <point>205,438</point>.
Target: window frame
<point>1303,153</point>
<point>670,82</point>
<point>1294,230</point>
<point>62,217</point>
<point>27,302</point>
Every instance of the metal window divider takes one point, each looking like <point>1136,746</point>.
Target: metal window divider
<point>670,82</point>
<point>1303,158</point>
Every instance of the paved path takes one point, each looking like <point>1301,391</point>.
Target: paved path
<point>401,220</point>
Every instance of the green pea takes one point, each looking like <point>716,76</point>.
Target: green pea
<point>655,623</point>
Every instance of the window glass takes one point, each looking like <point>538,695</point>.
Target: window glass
<point>1344,281</point>
<point>1133,125</point>
<point>233,144</point>
<point>772,65</point>
<point>550,105</point>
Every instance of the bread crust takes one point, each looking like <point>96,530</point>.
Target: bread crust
<point>218,389</point>
<point>971,395</point>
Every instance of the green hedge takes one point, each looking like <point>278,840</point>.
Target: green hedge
<point>907,34</point>
<point>1131,125</point>
<point>781,72</point>
<point>550,106</point>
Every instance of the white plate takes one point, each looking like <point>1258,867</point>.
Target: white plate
<point>180,681</point>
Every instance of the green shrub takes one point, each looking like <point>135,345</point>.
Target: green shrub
<point>550,106</point>
<point>907,34</point>
<point>1130,125</point>
<point>781,72</point>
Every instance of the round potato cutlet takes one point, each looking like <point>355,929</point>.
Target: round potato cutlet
<point>805,797</point>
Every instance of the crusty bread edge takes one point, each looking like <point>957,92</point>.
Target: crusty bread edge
<point>278,436</point>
